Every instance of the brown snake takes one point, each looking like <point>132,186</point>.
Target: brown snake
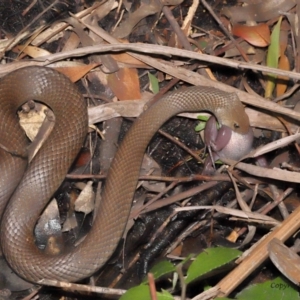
<point>49,167</point>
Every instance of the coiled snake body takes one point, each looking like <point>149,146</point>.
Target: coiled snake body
<point>49,167</point>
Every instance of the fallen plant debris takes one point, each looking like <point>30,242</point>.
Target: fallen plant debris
<point>192,235</point>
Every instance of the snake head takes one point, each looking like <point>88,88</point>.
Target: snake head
<point>234,116</point>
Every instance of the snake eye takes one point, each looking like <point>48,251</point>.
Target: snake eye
<point>236,125</point>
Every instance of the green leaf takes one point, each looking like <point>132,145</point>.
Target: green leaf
<point>277,289</point>
<point>203,118</point>
<point>200,126</point>
<point>141,292</point>
<point>210,260</point>
<point>273,50</point>
<point>273,57</point>
<point>137,292</point>
<point>164,295</point>
<point>154,85</point>
<point>160,269</point>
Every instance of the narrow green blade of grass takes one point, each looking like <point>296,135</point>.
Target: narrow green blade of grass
<point>272,58</point>
<point>154,85</point>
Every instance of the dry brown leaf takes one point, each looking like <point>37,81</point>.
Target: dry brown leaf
<point>283,64</point>
<point>125,84</point>
<point>282,81</point>
<point>32,51</point>
<point>258,35</point>
<point>31,121</point>
<point>177,251</point>
<point>285,259</point>
<point>72,42</point>
<point>77,72</point>
<point>85,201</point>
